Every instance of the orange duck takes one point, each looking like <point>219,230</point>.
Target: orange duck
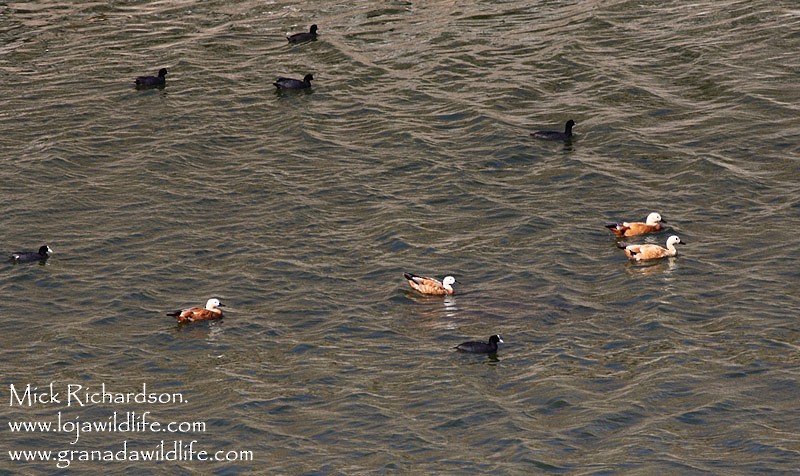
<point>651,225</point>
<point>430,285</point>
<point>645,252</point>
<point>208,313</point>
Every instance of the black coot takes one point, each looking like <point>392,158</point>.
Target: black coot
<point>305,36</point>
<point>159,80</point>
<point>290,83</point>
<point>556,135</point>
<point>28,256</point>
<point>481,347</point>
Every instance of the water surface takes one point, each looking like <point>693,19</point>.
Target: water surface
<point>411,153</point>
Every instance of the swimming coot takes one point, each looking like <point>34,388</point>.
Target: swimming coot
<point>290,83</point>
<point>28,256</point>
<point>305,36</point>
<point>159,80</point>
<point>481,347</point>
<point>555,135</point>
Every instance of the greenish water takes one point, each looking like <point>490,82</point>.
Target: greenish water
<point>411,153</point>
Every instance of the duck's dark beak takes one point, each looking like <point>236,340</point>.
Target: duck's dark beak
<point>663,220</point>
<point>681,242</point>
<point>221,305</point>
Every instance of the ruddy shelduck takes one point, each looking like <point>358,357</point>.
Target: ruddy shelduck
<point>623,228</point>
<point>208,313</point>
<point>645,252</point>
<point>430,285</point>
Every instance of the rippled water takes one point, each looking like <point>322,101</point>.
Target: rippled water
<point>411,153</point>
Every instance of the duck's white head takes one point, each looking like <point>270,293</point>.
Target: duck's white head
<point>448,282</point>
<point>653,218</point>
<point>213,303</point>
<point>674,240</point>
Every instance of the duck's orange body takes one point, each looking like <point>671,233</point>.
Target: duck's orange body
<point>652,225</point>
<point>648,251</point>
<point>208,313</point>
<point>427,285</point>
